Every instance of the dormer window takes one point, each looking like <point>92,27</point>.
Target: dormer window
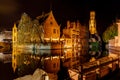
<point>51,23</point>
<point>54,31</point>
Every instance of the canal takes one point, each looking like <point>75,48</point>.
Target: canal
<point>27,61</point>
<point>23,62</point>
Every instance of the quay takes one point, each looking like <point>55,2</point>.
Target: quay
<point>100,68</point>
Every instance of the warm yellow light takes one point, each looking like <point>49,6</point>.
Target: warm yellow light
<point>47,38</point>
<point>62,39</point>
<point>55,39</point>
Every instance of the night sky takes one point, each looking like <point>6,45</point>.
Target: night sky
<point>63,10</point>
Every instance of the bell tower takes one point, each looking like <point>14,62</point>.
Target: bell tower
<point>92,23</point>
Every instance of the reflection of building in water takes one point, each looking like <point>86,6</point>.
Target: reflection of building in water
<point>14,50</point>
<point>67,53</point>
<point>52,64</point>
<point>76,35</point>
<point>23,63</point>
<point>14,59</point>
<point>27,60</point>
<point>71,57</point>
<point>6,36</point>
<point>5,41</point>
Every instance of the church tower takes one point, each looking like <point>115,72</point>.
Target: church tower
<point>14,35</point>
<point>92,23</point>
<point>95,42</point>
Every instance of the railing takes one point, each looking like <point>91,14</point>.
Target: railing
<point>100,67</point>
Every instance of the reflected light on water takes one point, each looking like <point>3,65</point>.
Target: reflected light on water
<point>1,56</point>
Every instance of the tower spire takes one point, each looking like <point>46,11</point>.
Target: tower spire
<point>92,23</point>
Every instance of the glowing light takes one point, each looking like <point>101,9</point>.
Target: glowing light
<point>55,39</point>
<point>47,38</point>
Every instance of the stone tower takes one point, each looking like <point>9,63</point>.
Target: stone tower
<point>92,23</point>
<point>14,34</point>
<point>95,42</point>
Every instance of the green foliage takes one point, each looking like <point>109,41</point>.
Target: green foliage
<point>24,28</point>
<point>29,30</point>
<point>110,32</point>
<point>95,46</point>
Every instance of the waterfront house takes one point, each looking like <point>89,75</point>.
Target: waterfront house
<point>40,33</point>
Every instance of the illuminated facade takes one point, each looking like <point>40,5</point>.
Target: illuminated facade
<point>14,34</point>
<point>14,53</point>
<point>71,58</point>
<point>5,40</point>
<point>84,37</point>
<point>6,36</point>
<point>115,42</point>
<point>52,64</point>
<point>92,23</point>
<point>67,41</point>
<point>43,29</point>
<point>73,30</point>
<point>76,36</point>
<point>118,23</point>
<point>50,26</point>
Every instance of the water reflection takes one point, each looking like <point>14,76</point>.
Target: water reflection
<point>26,61</point>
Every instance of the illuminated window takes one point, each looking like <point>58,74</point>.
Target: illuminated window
<point>54,30</point>
<point>51,23</point>
<point>14,64</point>
<point>57,65</point>
<point>14,57</point>
<point>54,65</point>
<point>14,39</point>
<point>15,31</point>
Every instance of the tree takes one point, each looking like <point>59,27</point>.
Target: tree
<point>110,32</point>
<point>24,29</point>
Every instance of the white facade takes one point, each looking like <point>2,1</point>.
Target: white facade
<point>118,23</point>
<point>5,35</point>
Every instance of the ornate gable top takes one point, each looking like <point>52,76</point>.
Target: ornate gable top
<point>43,17</point>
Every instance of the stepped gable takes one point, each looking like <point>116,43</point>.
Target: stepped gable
<point>50,26</point>
<point>43,17</point>
<point>46,18</point>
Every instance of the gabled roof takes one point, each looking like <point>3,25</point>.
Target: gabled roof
<point>43,17</point>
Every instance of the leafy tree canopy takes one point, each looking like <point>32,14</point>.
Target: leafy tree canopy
<point>110,32</point>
